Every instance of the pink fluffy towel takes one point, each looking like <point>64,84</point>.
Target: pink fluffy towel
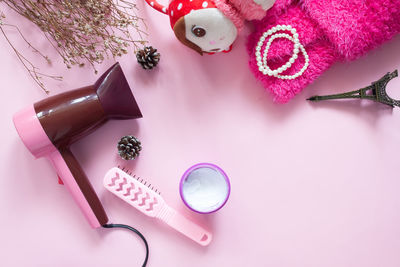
<point>328,30</point>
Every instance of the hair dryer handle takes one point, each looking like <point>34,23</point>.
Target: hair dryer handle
<point>73,177</point>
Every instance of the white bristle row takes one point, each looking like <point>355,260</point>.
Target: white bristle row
<point>141,180</point>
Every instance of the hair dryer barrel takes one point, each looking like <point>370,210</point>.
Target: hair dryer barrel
<point>69,116</point>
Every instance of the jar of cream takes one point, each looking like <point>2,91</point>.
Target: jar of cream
<point>205,188</point>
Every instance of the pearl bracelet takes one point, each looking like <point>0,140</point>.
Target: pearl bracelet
<point>272,35</point>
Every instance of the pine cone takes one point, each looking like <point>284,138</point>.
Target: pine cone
<point>148,57</point>
<point>129,147</point>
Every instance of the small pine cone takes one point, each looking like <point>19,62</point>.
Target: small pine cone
<point>148,57</point>
<point>129,147</point>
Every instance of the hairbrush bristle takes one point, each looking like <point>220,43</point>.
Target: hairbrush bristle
<point>141,180</point>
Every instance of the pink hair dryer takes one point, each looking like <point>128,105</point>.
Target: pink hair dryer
<point>49,127</point>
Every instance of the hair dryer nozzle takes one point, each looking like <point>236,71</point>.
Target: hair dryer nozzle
<point>116,96</point>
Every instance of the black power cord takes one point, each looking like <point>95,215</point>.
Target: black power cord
<point>124,226</point>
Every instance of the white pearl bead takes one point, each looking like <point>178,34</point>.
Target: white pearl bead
<point>291,60</point>
<point>293,30</point>
<point>296,51</point>
<point>295,56</point>
<point>297,45</point>
<point>261,68</point>
<point>258,53</point>
<point>296,35</point>
<point>265,72</point>
<point>259,58</point>
<point>259,64</point>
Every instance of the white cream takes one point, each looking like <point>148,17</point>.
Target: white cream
<point>205,189</point>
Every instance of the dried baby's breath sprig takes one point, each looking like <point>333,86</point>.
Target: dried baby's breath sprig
<point>29,66</point>
<point>81,31</point>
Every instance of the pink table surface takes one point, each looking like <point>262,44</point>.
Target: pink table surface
<point>312,184</point>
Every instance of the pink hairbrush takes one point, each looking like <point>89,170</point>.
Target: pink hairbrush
<point>148,201</point>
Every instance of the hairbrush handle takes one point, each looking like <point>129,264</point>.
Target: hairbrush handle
<point>184,225</point>
<point>73,177</point>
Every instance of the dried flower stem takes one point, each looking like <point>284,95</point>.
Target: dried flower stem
<point>32,70</point>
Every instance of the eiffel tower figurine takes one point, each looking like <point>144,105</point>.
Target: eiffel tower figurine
<point>375,92</point>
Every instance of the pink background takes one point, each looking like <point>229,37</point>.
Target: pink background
<point>312,184</point>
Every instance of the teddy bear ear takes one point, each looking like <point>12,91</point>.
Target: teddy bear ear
<point>180,33</point>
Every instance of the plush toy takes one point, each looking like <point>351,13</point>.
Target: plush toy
<point>210,26</point>
<point>294,41</point>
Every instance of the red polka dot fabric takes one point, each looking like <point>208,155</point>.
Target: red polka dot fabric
<point>180,8</point>
<point>157,6</point>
